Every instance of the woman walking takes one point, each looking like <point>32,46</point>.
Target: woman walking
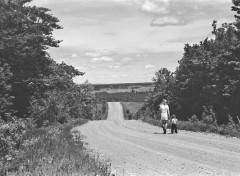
<point>165,114</point>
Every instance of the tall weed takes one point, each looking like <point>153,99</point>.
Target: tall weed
<point>54,150</point>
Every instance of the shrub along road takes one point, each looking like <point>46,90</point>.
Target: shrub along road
<point>137,148</point>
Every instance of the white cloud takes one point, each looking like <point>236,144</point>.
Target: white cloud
<point>106,51</point>
<point>93,66</point>
<point>142,55</point>
<point>149,66</point>
<point>93,54</point>
<point>126,59</point>
<point>120,76</point>
<point>74,55</point>
<point>114,66</point>
<point>155,6</point>
<point>100,76</point>
<point>114,76</point>
<point>124,75</point>
<point>80,68</point>
<point>133,34</point>
<point>102,59</point>
<point>164,21</point>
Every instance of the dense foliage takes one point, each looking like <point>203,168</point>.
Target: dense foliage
<point>57,150</point>
<point>208,76</point>
<point>231,129</point>
<point>25,34</point>
<point>35,90</point>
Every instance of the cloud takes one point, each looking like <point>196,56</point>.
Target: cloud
<point>93,54</point>
<point>99,53</point>
<point>124,75</point>
<point>74,55</point>
<point>149,66</point>
<point>93,66</point>
<point>102,59</point>
<point>100,76</point>
<point>111,33</point>
<point>90,36</point>
<point>80,68</point>
<point>183,12</point>
<point>114,76</point>
<point>114,66</point>
<point>126,59</point>
<point>155,6</point>
<point>120,76</point>
<point>167,21</point>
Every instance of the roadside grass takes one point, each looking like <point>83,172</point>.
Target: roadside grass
<point>55,150</point>
<point>229,130</point>
<point>205,125</point>
<point>130,109</point>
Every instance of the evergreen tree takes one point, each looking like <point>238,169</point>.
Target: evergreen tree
<point>208,75</point>
<point>25,34</point>
<point>5,98</point>
<point>164,82</point>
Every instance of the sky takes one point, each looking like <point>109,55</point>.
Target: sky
<point>127,41</point>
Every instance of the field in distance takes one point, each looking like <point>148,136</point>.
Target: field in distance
<point>124,87</point>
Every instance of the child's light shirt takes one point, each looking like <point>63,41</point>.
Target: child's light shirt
<point>174,121</point>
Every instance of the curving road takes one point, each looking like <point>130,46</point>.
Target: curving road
<point>138,149</point>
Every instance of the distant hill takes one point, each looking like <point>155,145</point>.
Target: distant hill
<point>124,92</point>
<point>123,85</point>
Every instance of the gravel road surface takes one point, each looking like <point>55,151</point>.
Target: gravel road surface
<point>139,149</point>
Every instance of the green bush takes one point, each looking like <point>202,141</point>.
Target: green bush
<point>60,106</point>
<point>50,110</point>
<point>126,112</point>
<point>56,150</point>
<point>11,138</point>
<point>101,111</point>
<point>195,125</point>
<point>231,129</point>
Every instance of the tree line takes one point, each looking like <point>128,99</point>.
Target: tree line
<point>35,91</point>
<point>207,79</point>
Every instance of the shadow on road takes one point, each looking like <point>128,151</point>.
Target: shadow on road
<point>162,133</point>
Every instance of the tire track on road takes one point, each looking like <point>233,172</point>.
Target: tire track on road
<point>133,147</point>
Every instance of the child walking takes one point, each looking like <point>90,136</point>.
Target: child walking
<point>174,124</point>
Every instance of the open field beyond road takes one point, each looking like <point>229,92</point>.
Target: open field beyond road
<point>139,149</point>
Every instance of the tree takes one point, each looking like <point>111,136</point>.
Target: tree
<point>25,34</point>
<point>32,84</point>
<point>208,75</point>
<point>164,82</point>
<point>194,78</point>
<point>5,98</point>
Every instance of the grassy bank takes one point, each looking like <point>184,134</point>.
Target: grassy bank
<point>195,125</point>
<point>54,150</point>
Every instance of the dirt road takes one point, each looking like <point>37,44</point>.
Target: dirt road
<point>139,149</point>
